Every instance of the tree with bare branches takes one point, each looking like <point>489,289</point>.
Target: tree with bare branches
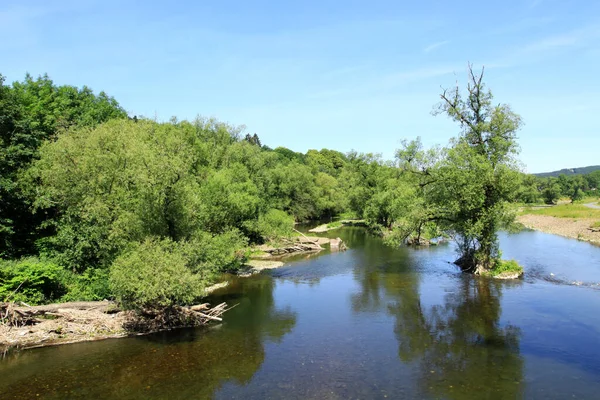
<point>467,187</point>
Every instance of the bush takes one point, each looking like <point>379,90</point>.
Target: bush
<point>92,285</point>
<point>31,280</point>
<point>208,255</point>
<point>273,225</point>
<point>503,266</point>
<point>155,274</point>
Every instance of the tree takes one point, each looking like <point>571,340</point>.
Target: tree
<point>529,191</point>
<point>467,187</point>
<point>32,112</point>
<point>479,176</point>
<point>550,190</point>
<point>253,139</point>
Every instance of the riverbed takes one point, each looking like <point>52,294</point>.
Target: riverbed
<point>370,322</point>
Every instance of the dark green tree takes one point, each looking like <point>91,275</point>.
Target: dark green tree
<point>32,112</point>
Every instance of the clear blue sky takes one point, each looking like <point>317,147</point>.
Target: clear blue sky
<point>326,74</point>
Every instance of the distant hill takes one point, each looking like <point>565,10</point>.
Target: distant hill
<point>570,171</point>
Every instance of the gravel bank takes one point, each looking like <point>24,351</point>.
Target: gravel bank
<point>568,227</point>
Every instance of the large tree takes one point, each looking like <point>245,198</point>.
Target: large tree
<point>32,112</point>
<point>479,176</point>
<point>468,188</point>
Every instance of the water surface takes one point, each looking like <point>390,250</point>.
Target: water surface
<point>371,322</point>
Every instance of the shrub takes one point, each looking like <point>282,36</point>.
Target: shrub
<point>273,225</point>
<point>92,285</point>
<point>31,280</point>
<point>155,274</point>
<point>506,266</point>
<point>208,255</point>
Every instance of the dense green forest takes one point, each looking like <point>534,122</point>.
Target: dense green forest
<point>96,204</point>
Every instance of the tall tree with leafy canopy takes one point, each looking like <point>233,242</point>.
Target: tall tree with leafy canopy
<point>467,187</point>
<point>32,112</point>
<point>479,175</point>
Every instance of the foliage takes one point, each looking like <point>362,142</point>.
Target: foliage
<point>210,254</point>
<point>32,112</point>
<point>551,191</point>
<point>31,280</point>
<point>155,274</point>
<point>529,190</point>
<point>506,266</point>
<point>94,191</point>
<point>91,285</point>
<point>466,188</point>
<point>272,225</point>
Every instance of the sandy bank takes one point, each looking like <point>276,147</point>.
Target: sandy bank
<point>567,227</point>
<point>327,227</point>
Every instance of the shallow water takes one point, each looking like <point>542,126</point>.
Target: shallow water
<point>371,322</point>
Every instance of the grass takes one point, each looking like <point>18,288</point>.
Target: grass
<point>335,224</point>
<point>506,266</point>
<point>347,215</point>
<point>565,211</point>
<point>596,224</point>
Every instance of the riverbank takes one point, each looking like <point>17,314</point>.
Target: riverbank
<point>575,228</point>
<point>25,327</point>
<point>72,326</point>
<point>102,320</point>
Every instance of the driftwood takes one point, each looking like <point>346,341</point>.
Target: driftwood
<point>149,320</point>
<point>145,320</point>
<point>102,306</point>
<point>307,238</point>
<point>293,246</point>
<point>14,315</point>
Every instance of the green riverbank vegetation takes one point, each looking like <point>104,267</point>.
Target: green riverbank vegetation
<point>576,211</point>
<point>96,204</point>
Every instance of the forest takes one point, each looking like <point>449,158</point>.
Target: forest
<point>98,204</point>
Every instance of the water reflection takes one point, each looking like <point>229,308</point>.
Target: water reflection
<point>182,364</point>
<point>462,348</point>
<point>459,346</point>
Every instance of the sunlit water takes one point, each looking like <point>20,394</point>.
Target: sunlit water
<point>371,322</point>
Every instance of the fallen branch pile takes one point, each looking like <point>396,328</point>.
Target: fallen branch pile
<point>294,247</point>
<point>13,315</point>
<point>148,320</point>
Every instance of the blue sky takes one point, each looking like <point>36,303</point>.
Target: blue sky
<point>326,74</point>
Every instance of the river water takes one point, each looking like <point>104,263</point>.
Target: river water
<point>372,322</point>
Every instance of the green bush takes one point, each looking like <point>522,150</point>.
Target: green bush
<point>506,266</point>
<point>272,225</point>
<point>31,280</point>
<point>92,285</point>
<point>155,274</point>
<point>208,255</point>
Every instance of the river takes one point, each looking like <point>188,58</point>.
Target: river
<point>372,322</point>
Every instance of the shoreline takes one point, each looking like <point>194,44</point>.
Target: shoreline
<point>347,222</point>
<point>73,326</point>
<point>573,228</point>
<point>92,324</point>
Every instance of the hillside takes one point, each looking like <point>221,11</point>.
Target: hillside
<point>570,171</point>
